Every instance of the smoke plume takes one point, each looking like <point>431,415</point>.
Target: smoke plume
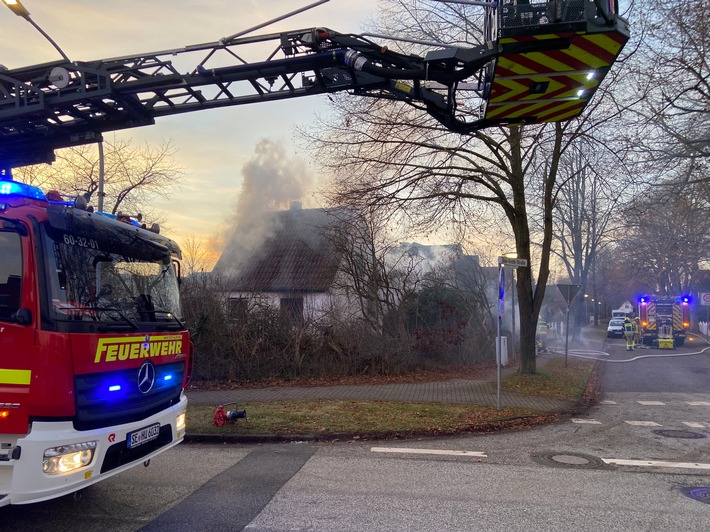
<point>271,181</point>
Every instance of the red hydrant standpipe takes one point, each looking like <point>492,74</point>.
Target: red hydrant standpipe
<point>223,416</point>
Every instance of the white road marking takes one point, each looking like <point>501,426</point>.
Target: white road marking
<point>656,463</point>
<point>608,402</point>
<point>697,403</point>
<point>643,423</point>
<point>693,424</point>
<point>587,421</point>
<point>651,403</point>
<point>450,452</point>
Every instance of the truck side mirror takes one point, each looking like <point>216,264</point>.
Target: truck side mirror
<point>177,266</point>
<point>22,316</point>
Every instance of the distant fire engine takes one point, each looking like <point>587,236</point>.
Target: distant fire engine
<point>664,318</point>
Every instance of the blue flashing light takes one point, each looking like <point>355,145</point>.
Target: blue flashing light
<point>13,188</point>
<point>167,377</point>
<point>114,388</point>
<point>685,299</point>
<point>642,300</point>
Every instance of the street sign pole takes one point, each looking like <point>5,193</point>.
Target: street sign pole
<point>567,335</point>
<point>568,292</point>
<point>502,262</point>
<point>499,354</point>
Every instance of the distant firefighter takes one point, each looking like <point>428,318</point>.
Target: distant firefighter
<point>629,333</point>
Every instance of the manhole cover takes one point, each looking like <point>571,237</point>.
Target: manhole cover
<point>699,494</point>
<point>570,460</point>
<point>685,434</point>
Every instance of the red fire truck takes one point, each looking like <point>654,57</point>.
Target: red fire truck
<point>94,357</point>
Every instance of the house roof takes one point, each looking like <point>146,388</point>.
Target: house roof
<point>296,254</point>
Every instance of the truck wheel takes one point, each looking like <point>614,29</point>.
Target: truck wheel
<point>679,342</point>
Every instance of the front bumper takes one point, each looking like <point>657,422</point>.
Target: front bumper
<point>23,480</point>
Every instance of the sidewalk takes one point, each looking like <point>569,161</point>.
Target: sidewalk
<point>482,391</point>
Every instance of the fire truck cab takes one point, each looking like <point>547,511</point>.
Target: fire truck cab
<point>94,357</point>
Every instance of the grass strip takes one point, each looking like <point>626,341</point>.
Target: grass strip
<point>347,417</point>
<point>554,381</point>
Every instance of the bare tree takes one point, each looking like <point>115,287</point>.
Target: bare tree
<point>387,155</point>
<point>667,239</point>
<point>380,284</point>
<point>132,174</point>
<point>435,176</point>
<point>196,256</point>
<point>594,184</point>
<point>673,83</point>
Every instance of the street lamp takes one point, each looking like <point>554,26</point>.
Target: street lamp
<point>21,11</point>
<point>586,309</point>
<point>17,8</point>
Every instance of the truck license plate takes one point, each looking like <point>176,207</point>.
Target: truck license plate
<point>144,435</point>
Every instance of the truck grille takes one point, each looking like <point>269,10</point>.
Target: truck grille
<point>113,398</point>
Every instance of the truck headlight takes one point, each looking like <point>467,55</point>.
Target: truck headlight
<point>67,458</point>
<point>180,421</point>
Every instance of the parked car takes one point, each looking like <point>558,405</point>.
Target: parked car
<point>615,328</point>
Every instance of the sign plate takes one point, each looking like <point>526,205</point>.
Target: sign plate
<point>569,291</point>
<point>518,263</point>
<point>705,298</point>
<point>141,436</point>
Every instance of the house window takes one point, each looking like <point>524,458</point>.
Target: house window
<point>292,307</point>
<point>238,309</point>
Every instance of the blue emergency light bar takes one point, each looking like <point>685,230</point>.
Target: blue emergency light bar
<point>13,188</point>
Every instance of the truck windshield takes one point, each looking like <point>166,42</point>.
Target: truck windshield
<point>110,279</point>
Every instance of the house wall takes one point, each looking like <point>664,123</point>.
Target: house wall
<point>315,305</point>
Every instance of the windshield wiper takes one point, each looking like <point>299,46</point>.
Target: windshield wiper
<point>169,315</point>
<point>125,318</point>
<point>75,313</point>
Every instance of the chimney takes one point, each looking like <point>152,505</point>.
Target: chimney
<point>296,206</point>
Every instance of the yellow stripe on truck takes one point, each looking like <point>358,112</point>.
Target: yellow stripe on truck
<point>15,376</point>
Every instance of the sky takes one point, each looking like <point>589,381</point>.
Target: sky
<point>214,147</point>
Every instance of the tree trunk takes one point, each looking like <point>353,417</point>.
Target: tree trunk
<point>528,326</point>
<point>531,295</point>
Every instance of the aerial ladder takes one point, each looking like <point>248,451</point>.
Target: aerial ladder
<point>539,62</point>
